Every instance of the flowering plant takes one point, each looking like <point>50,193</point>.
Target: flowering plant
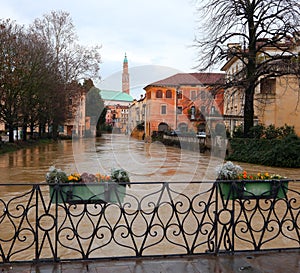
<point>230,171</point>
<point>259,176</point>
<point>55,175</point>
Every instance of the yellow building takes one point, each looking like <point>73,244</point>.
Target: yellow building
<point>276,100</point>
<point>137,117</point>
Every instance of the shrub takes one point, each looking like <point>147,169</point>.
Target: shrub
<point>238,131</point>
<point>271,152</point>
<point>269,132</point>
<point>256,131</point>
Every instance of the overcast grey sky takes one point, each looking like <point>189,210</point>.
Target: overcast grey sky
<point>151,32</point>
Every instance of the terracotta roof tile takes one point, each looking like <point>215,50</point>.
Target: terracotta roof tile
<point>190,79</point>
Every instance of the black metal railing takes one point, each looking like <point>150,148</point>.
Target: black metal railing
<point>64,222</point>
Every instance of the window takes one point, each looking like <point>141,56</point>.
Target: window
<point>168,94</point>
<point>268,86</point>
<point>193,95</point>
<point>202,94</point>
<point>163,109</point>
<point>159,94</point>
<point>213,110</point>
<point>179,94</point>
<point>179,110</point>
<point>203,110</point>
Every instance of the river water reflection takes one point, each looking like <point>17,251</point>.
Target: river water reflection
<point>144,161</point>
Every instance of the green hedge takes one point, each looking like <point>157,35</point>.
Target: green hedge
<point>283,152</point>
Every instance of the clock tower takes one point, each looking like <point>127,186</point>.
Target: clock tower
<point>125,76</point>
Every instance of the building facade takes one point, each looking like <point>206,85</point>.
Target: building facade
<point>76,121</point>
<point>137,116</point>
<point>117,103</point>
<point>276,99</point>
<point>187,102</point>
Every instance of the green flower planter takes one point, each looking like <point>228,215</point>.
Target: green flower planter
<point>80,193</point>
<point>244,189</point>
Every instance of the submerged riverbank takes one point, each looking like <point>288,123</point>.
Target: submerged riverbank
<point>7,147</point>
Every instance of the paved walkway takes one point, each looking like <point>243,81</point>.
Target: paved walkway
<point>273,262</point>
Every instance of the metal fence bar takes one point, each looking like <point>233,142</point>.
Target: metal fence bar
<point>150,219</point>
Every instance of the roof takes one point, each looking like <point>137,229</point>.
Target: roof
<point>125,59</point>
<point>190,79</point>
<point>111,95</point>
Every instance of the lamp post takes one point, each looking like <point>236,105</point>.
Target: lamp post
<point>176,105</point>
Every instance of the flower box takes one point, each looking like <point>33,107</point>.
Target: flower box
<point>245,189</point>
<point>87,188</point>
<point>91,193</point>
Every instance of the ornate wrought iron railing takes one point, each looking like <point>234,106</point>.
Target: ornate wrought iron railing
<point>58,223</point>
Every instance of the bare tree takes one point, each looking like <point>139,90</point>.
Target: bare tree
<point>10,81</point>
<point>73,61</point>
<point>38,78</point>
<point>255,26</point>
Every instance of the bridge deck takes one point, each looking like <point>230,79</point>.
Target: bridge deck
<point>284,261</point>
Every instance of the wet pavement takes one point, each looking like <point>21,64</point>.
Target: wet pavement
<point>284,261</point>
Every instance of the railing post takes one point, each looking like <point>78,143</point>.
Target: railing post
<point>233,189</point>
<point>57,189</point>
<point>36,190</point>
<point>216,187</point>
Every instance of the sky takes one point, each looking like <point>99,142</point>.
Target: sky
<point>156,35</point>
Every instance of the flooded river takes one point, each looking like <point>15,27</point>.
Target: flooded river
<point>144,161</point>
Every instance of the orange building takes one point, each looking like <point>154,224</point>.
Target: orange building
<point>187,102</point>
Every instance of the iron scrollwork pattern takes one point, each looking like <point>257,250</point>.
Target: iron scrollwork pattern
<point>153,219</point>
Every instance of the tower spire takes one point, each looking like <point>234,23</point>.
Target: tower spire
<point>125,76</point>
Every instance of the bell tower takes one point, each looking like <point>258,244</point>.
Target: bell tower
<point>125,76</point>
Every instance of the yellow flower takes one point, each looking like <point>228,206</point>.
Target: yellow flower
<point>74,177</point>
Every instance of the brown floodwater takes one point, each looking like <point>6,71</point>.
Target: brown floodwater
<point>144,161</point>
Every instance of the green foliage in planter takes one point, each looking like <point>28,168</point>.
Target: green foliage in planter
<point>271,152</point>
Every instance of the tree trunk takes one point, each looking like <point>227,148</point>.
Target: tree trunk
<point>249,110</point>
<point>31,129</point>
<point>24,132</point>
<point>251,74</point>
<point>10,134</point>
<point>54,130</point>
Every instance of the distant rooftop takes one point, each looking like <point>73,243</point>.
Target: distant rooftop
<point>111,95</point>
<point>190,79</point>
